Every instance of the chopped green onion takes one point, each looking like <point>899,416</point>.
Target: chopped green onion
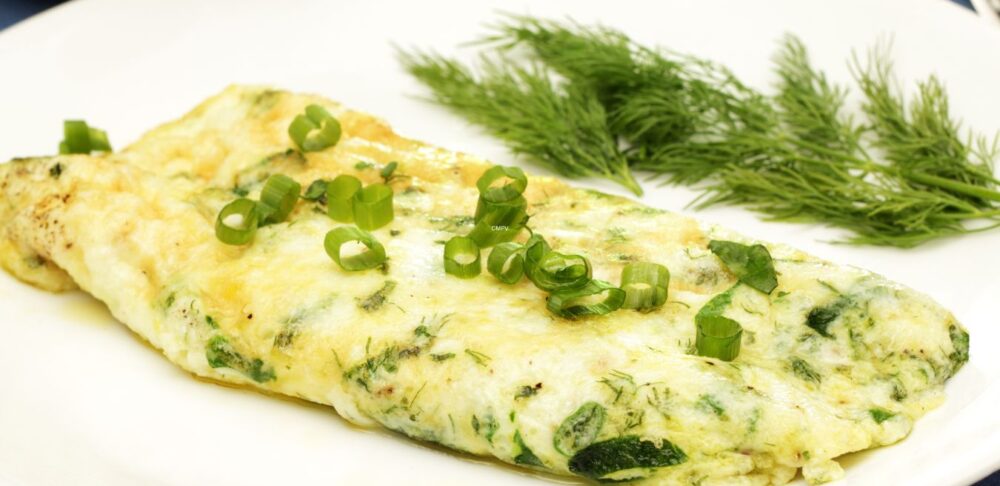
<point>237,222</point>
<point>557,272</point>
<point>580,302</point>
<point>506,262</point>
<point>717,336</point>
<point>645,285</point>
<point>99,140</point>
<point>514,187</point>
<point>461,257</point>
<point>316,130</point>
<point>340,198</point>
<point>497,222</point>
<point>534,249</point>
<point>500,211</point>
<point>278,198</point>
<point>370,258</point>
<point>317,191</point>
<point>373,207</point>
<point>79,138</point>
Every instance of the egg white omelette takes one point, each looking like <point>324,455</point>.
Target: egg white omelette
<point>834,360</point>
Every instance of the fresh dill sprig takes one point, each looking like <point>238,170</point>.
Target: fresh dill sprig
<point>675,110</point>
<point>814,166</point>
<point>563,128</point>
<point>900,175</point>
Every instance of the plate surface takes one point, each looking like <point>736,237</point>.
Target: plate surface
<point>85,402</point>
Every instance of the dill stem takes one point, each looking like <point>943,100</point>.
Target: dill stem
<point>955,186</point>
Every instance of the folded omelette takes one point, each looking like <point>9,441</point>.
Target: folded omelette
<point>473,364</point>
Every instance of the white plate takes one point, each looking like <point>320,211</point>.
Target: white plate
<point>84,402</point>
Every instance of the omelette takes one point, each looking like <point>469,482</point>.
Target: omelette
<point>834,360</point>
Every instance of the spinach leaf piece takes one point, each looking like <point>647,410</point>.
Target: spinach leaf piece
<point>525,456</point>
<point>579,429</point>
<point>751,264</point>
<point>624,458</point>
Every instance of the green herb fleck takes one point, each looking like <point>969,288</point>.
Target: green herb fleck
<point>221,354</point>
<point>960,348</point>
<point>316,191</point>
<point>377,299</point>
<point>56,170</point>
<point>709,403</point>
<point>362,165</point>
<point>579,429</point>
<point>527,391</point>
<point>880,415</point>
<point>442,357</point>
<point>486,427</point>
<point>804,370</point>
<point>387,172</point>
<point>480,358</point>
<point>820,318</point>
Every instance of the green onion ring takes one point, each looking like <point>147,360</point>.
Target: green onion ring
<point>557,272</point>
<point>645,285</point>
<point>498,222</point>
<point>568,303</point>
<point>278,198</point>
<point>454,249</point>
<point>373,206</point>
<point>316,130</point>
<point>371,258</point>
<point>510,190</point>
<point>506,262</point>
<point>717,336</point>
<point>340,198</point>
<point>534,249</point>
<point>237,231</point>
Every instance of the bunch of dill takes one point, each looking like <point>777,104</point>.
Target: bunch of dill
<point>902,176</point>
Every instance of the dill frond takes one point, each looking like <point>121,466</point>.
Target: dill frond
<point>900,175</point>
<point>562,128</point>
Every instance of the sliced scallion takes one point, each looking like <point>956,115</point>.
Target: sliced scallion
<point>645,285</point>
<point>513,179</point>
<point>461,257</point>
<point>583,301</point>
<point>556,272</point>
<point>99,140</point>
<point>506,262</point>
<point>718,337</point>
<point>497,222</point>
<point>315,130</point>
<point>373,206</point>
<point>79,138</point>
<point>534,249</point>
<point>373,256</point>
<point>237,222</point>
<point>340,198</point>
<point>278,198</point>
